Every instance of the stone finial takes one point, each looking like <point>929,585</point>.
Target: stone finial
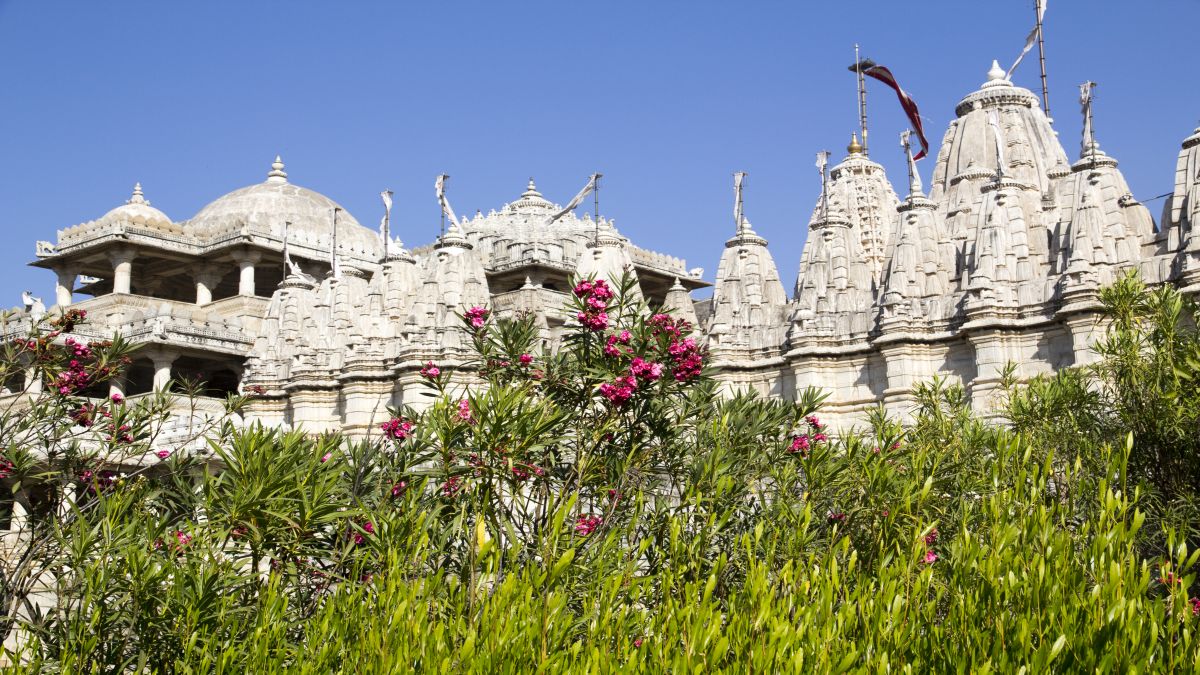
<point>531,190</point>
<point>996,73</point>
<point>277,174</point>
<point>137,197</point>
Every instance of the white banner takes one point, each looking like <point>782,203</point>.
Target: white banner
<point>1030,40</point>
<point>440,186</point>
<point>574,203</point>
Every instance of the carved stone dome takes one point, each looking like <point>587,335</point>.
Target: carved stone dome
<point>269,205</point>
<point>137,211</point>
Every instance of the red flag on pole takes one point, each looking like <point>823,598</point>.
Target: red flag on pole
<point>871,69</point>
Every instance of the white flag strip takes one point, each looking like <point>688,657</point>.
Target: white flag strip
<point>574,203</point>
<point>1030,40</point>
<point>1085,103</point>
<point>440,186</point>
<point>385,223</point>
<point>994,123</point>
<point>822,162</point>
<point>738,177</point>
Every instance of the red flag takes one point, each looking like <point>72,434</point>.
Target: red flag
<point>885,76</point>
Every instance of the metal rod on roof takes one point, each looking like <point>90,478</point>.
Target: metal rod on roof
<point>1037,6</point>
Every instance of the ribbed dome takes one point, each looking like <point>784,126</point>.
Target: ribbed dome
<point>274,202</point>
<point>137,210</point>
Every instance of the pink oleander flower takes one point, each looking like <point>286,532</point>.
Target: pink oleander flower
<point>593,321</point>
<point>163,454</point>
<point>118,399</point>
<point>583,288</point>
<point>819,438</point>
<point>464,411</point>
<point>477,316</point>
<point>929,558</point>
<point>1195,606</point>
<point>619,391</point>
<point>637,643</point>
<point>326,457</point>
<point>799,444</point>
<point>399,488</point>
<point>646,370</point>
<point>813,421</point>
<point>585,525</point>
<point>430,371</point>
<point>397,428</point>
<point>931,537</point>
<point>182,538</point>
<point>525,359</point>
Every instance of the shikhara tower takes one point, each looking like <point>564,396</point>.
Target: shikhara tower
<point>1000,261</point>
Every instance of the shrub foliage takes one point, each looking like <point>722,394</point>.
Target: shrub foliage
<point>604,507</point>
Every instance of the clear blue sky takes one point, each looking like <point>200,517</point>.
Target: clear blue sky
<point>667,99</point>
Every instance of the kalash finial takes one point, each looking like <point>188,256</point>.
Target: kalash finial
<point>137,197</point>
<point>996,73</point>
<point>531,190</point>
<point>277,174</point>
<point>854,148</point>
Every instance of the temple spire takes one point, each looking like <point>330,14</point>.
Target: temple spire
<point>137,197</point>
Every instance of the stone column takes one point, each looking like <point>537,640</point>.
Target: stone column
<point>65,287</point>
<point>162,369</point>
<point>122,261</point>
<point>206,279</point>
<point>246,263</point>
<point>117,386</point>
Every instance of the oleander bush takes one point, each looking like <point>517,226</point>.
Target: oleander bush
<point>604,507</point>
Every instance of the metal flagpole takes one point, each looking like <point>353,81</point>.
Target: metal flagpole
<point>862,98</point>
<point>333,263</point>
<point>596,207</point>
<point>1037,7</point>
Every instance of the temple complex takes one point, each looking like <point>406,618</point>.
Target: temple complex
<point>275,287</point>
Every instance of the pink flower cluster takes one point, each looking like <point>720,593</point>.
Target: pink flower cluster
<point>802,442</point>
<point>163,454</point>
<point>610,345</point>
<point>619,391</point>
<point>397,428</point>
<point>645,370</point>
<point>525,359</point>
<point>930,557</point>
<point>367,527</point>
<point>75,377</point>
<point>595,296</point>
<point>477,316</point>
<point>399,488</point>
<point>585,525</point>
<point>688,359</point>
<point>931,538</point>
<point>430,371</point>
<point>451,487</point>
<point>522,473</point>
<point>464,411</point>
<point>1195,606</point>
<point>6,468</point>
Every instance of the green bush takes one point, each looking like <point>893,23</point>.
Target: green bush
<point>600,507</point>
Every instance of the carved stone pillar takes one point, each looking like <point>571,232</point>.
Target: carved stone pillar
<point>65,286</point>
<point>206,279</point>
<point>246,262</point>
<point>116,386</point>
<point>122,262</point>
<point>162,369</point>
